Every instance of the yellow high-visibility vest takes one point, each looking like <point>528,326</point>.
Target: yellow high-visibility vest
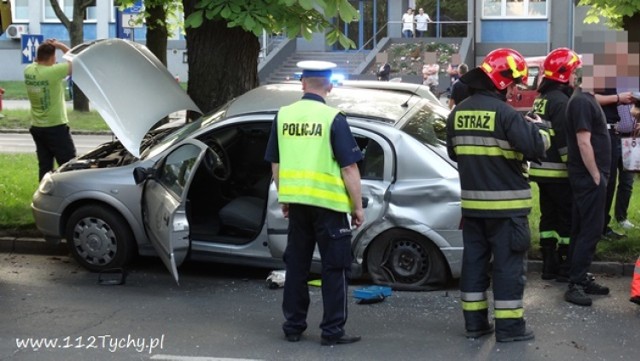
<point>309,173</point>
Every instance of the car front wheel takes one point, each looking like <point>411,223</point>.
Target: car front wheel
<point>99,238</point>
<point>406,260</point>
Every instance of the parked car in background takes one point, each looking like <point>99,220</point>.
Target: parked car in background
<point>524,95</point>
<point>399,87</point>
<point>203,190</point>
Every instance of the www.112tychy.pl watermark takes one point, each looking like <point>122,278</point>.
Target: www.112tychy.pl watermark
<point>102,342</point>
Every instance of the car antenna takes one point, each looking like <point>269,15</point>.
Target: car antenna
<point>406,103</point>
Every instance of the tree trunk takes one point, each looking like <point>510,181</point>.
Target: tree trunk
<point>76,34</point>
<point>223,62</point>
<point>631,24</point>
<point>157,32</point>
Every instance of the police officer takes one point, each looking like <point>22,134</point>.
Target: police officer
<point>313,156</point>
<point>490,141</point>
<point>551,174</point>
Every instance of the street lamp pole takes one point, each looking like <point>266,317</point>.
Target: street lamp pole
<point>438,19</point>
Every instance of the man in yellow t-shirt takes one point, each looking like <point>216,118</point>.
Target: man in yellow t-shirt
<point>45,90</point>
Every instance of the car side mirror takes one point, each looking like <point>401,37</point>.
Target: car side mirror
<point>141,174</point>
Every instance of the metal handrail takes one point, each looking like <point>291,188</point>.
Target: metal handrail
<point>267,44</point>
<point>375,36</point>
<point>438,23</point>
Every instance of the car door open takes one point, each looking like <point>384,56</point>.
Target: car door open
<point>164,201</point>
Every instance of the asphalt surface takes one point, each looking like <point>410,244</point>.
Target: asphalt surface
<point>228,313</point>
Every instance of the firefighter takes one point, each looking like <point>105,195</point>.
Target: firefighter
<point>490,141</point>
<point>551,174</point>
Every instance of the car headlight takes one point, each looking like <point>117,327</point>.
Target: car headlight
<point>46,184</point>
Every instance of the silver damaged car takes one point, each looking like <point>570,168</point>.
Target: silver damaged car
<point>204,191</point>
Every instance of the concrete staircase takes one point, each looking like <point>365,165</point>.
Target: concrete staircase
<point>346,64</point>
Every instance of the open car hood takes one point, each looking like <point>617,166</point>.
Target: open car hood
<point>131,89</point>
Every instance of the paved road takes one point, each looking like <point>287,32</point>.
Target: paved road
<point>23,143</point>
<point>22,104</point>
<point>228,312</point>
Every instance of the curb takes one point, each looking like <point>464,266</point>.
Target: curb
<point>31,246</point>
<point>35,245</point>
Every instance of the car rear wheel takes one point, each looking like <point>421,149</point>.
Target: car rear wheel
<point>99,238</point>
<point>406,260</point>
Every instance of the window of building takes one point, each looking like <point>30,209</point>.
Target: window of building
<point>514,8</point>
<point>67,6</point>
<point>20,11</point>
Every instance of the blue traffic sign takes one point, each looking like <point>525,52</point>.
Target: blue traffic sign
<point>30,44</point>
<point>136,8</point>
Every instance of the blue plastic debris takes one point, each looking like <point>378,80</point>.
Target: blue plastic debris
<point>371,294</point>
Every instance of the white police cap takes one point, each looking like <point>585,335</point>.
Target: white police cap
<point>316,68</point>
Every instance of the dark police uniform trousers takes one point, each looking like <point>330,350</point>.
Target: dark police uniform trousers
<point>330,229</point>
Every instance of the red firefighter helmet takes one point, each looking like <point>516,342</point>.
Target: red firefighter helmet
<point>560,63</point>
<point>505,66</point>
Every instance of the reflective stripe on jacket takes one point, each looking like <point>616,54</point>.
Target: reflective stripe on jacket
<point>491,142</point>
<point>309,174</point>
<point>550,106</point>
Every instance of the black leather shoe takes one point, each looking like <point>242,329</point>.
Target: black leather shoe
<point>611,235</point>
<point>593,288</point>
<point>339,341</point>
<point>293,337</point>
<point>576,295</point>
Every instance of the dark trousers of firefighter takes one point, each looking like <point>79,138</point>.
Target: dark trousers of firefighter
<point>589,200</point>
<point>556,210</point>
<point>331,231</point>
<point>508,240</point>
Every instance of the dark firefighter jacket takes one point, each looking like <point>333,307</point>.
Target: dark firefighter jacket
<point>491,142</point>
<point>551,106</point>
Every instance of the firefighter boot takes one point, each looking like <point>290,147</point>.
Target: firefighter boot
<point>512,330</point>
<point>549,259</point>
<point>563,263</point>
<point>477,323</point>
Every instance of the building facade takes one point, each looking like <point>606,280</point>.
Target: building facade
<point>38,17</point>
<point>533,27</point>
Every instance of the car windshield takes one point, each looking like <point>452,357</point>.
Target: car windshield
<point>183,132</point>
<point>428,124</point>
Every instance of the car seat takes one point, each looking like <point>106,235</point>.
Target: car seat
<point>242,215</point>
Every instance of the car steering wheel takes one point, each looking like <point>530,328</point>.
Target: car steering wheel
<point>217,163</point>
